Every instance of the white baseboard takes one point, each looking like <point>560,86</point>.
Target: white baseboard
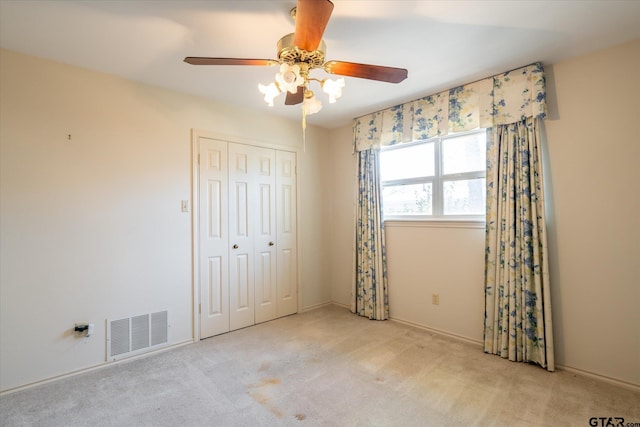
<point>437,331</point>
<point>315,306</point>
<point>347,306</point>
<point>420,326</point>
<point>93,368</point>
<point>593,375</point>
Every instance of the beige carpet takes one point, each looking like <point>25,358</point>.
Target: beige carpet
<point>326,367</point>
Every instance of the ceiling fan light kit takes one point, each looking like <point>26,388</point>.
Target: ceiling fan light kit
<point>303,51</point>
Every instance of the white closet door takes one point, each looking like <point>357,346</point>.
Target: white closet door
<point>214,243</point>
<point>287,288</point>
<point>264,218</point>
<point>247,231</point>
<point>241,248</point>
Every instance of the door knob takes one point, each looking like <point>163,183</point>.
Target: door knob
<point>236,246</point>
<point>270,243</point>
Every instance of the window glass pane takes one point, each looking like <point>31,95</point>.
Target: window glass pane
<point>464,197</point>
<point>415,199</point>
<point>464,153</point>
<point>407,162</point>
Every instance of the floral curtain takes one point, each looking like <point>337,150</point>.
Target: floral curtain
<point>517,322</point>
<point>371,297</point>
<point>512,104</point>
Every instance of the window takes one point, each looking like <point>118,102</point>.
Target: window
<point>435,178</point>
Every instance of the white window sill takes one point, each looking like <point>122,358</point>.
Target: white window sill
<point>465,222</point>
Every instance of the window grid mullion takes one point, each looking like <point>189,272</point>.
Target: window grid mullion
<point>437,184</point>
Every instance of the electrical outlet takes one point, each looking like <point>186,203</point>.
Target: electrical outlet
<point>435,299</point>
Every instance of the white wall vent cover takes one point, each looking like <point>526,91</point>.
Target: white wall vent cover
<point>134,335</point>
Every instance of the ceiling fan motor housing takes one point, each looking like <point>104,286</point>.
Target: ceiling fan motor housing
<point>290,53</point>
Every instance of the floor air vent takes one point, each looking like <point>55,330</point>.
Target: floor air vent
<point>134,335</point>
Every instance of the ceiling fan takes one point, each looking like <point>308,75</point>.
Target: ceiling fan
<point>303,51</point>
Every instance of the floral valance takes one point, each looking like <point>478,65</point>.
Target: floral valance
<point>502,99</point>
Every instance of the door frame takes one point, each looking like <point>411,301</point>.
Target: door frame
<point>196,134</point>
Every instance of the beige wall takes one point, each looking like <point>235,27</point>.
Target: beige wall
<point>314,237</point>
<point>91,227</point>
<point>593,186</point>
<point>443,260</point>
<point>342,211</point>
<point>594,211</point>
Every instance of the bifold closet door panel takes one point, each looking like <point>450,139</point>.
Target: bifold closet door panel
<point>241,229</point>
<point>213,235</point>
<point>264,221</point>
<point>286,241</point>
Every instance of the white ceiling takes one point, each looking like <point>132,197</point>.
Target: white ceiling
<point>442,43</point>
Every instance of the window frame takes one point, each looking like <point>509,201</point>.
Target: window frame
<point>437,181</point>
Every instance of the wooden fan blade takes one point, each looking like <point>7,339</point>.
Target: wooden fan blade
<point>295,98</point>
<point>312,17</point>
<point>365,71</point>
<point>199,60</point>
